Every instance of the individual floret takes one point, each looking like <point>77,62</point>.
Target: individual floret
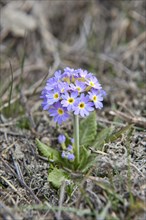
<point>63,87</point>
<point>83,106</point>
<point>82,73</point>
<point>97,98</point>
<point>51,83</point>
<point>61,138</point>
<point>78,86</point>
<point>53,96</point>
<point>58,112</point>
<point>93,82</point>
<point>69,100</point>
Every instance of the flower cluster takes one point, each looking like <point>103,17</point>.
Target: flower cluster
<point>72,91</point>
<point>67,151</point>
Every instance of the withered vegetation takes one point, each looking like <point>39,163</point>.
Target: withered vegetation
<point>107,38</point>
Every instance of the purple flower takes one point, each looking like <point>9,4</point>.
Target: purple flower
<point>71,156</point>
<point>83,106</point>
<point>61,138</point>
<point>69,100</point>
<point>82,73</point>
<point>67,155</point>
<point>53,96</point>
<point>93,82</point>
<point>78,86</point>
<point>43,93</point>
<point>58,74</point>
<point>64,154</point>
<point>58,112</point>
<point>51,83</point>
<point>72,140</point>
<point>73,90</point>
<point>63,87</point>
<point>45,104</point>
<point>68,72</point>
<point>97,98</point>
<point>69,148</point>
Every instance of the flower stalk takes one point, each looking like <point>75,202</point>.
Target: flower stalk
<point>76,138</point>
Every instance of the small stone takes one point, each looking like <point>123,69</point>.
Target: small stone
<point>45,140</point>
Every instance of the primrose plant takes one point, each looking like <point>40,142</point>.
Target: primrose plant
<point>73,93</point>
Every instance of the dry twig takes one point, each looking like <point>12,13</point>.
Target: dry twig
<point>139,121</point>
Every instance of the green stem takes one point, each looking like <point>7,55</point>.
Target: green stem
<point>76,138</point>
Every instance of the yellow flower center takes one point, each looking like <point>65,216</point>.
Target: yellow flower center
<point>56,96</point>
<point>91,83</point>
<point>70,100</point>
<point>94,98</point>
<point>81,79</point>
<point>60,111</point>
<point>79,89</point>
<point>73,79</point>
<point>82,105</point>
<point>66,79</point>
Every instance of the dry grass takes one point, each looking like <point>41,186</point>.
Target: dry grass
<point>107,38</point>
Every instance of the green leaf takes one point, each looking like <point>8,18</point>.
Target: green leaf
<point>87,160</point>
<point>56,177</point>
<point>85,154</point>
<point>88,128</point>
<point>90,163</point>
<point>102,137</point>
<point>48,151</point>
